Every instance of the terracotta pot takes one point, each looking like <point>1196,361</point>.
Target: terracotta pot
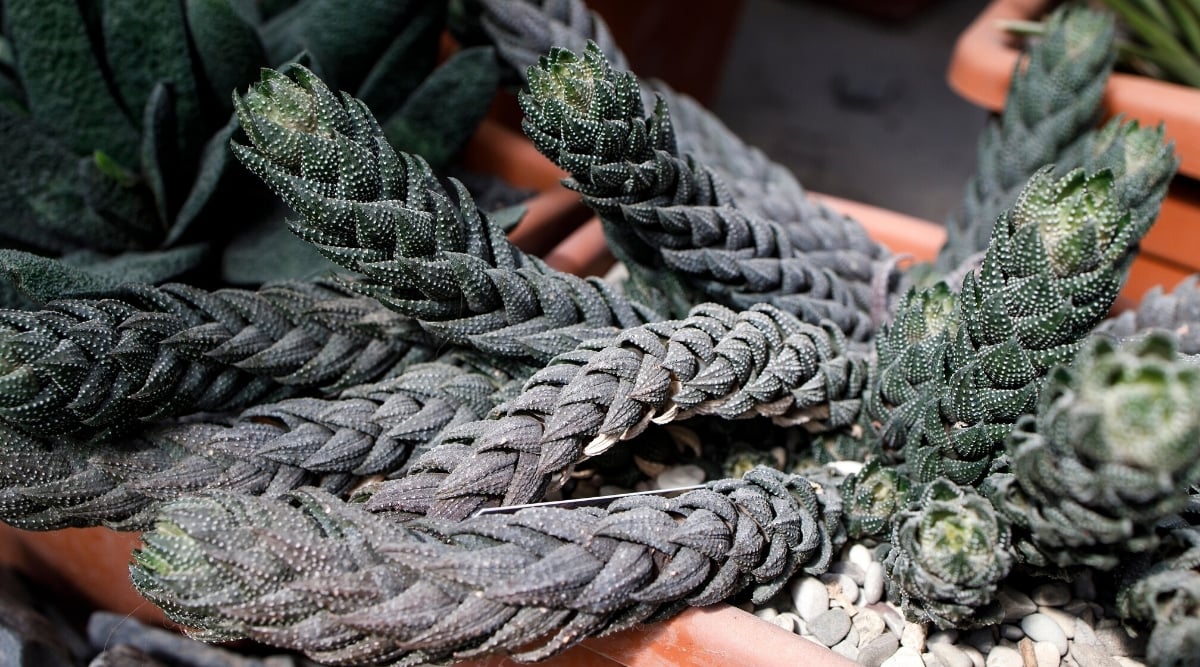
<point>980,70</point>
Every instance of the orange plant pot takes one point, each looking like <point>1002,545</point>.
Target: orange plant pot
<point>980,71</point>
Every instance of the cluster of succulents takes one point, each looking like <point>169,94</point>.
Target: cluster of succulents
<point>313,460</point>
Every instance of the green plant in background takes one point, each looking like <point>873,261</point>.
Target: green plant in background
<point>451,373</point>
<point>1164,38</point>
<point>116,122</point>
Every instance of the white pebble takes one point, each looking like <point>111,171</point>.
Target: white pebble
<point>1041,628</point>
<point>1003,656</point>
<point>1016,605</point>
<point>682,475</point>
<point>1046,654</point>
<point>845,467</point>
<point>844,584</point>
<point>810,597</point>
<point>1126,662</point>
<point>950,655</point>
<point>869,625</point>
<point>943,637</point>
<point>861,556</point>
<point>904,657</point>
<point>797,624</point>
<point>1118,642</point>
<point>1052,595</point>
<point>784,621</point>
<point>766,613</point>
<point>847,650</point>
<point>973,653</point>
<point>873,583</point>
<point>931,660</point>
<point>1063,619</point>
<point>856,573</point>
<point>913,636</point>
<point>1084,634</point>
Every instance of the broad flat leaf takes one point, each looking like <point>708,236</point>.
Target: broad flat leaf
<point>64,85</point>
<point>43,279</point>
<point>445,109</point>
<point>228,47</point>
<point>406,62</point>
<point>270,251</point>
<point>158,147</point>
<point>146,43</point>
<point>213,159</point>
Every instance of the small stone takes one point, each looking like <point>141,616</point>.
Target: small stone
<point>977,659</point>
<point>869,625</point>
<point>1092,656</point>
<point>1115,641</point>
<point>1041,628</point>
<point>1003,656</point>
<point>861,556</point>
<point>1084,585</point>
<point>1016,605</point>
<point>931,660</point>
<point>1052,595</point>
<point>982,639</point>
<point>1012,632</point>
<point>904,657</point>
<point>797,623</point>
<point>847,650</point>
<point>873,583</point>
<point>950,655</point>
<point>913,636</point>
<point>895,622</point>
<point>1046,654</point>
<point>1128,662</point>
<point>810,597</point>
<point>831,627</point>
<point>1084,634</point>
<point>784,622</point>
<point>766,613</point>
<point>681,475</point>
<point>943,637</point>
<point>844,585</point>
<point>1080,609</point>
<point>852,636</point>
<point>857,574</point>
<point>878,650</point>
<point>1062,618</point>
<point>1025,648</point>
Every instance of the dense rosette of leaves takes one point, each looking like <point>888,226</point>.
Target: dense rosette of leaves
<point>1177,312</point>
<point>947,556</point>
<point>1164,593</point>
<point>871,497</point>
<point>347,587</point>
<point>1114,448</point>
<point>956,375</point>
<point>384,215</point>
<point>672,215</point>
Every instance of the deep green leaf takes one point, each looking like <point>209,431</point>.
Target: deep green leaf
<point>64,85</point>
<point>43,279</point>
<point>159,158</point>
<point>212,165</point>
<point>406,62</point>
<point>228,47</point>
<point>444,111</point>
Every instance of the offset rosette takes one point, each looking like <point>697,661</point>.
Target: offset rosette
<point>948,553</point>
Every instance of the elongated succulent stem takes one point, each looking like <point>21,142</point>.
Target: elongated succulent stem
<point>668,212</point>
<point>1051,108</point>
<point>762,361</point>
<point>348,587</point>
<point>271,448</point>
<point>91,366</point>
<point>385,216</point>
<point>957,371</point>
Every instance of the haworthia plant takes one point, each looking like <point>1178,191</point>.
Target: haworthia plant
<point>371,429</point>
<point>1114,448</point>
<point>93,365</point>
<point>761,361</point>
<point>957,371</point>
<point>348,587</point>
<point>670,215</point>
<point>384,215</point>
<point>1052,105</point>
<point>1177,312</point>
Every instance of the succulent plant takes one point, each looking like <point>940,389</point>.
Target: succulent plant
<point>871,498</point>
<point>1114,448</point>
<point>946,557</point>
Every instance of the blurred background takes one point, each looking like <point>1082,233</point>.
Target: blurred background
<point>849,94</point>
